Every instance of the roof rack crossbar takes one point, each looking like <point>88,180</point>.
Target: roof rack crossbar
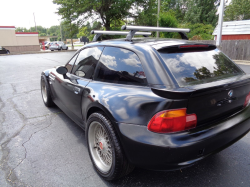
<point>134,29</point>
<point>99,33</point>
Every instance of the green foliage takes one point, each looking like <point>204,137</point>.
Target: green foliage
<point>178,6</point>
<point>40,29</point>
<point>86,29</point>
<point>21,29</point>
<point>70,29</point>
<point>148,15</point>
<point>223,68</point>
<point>202,11</point>
<point>67,11</point>
<point>54,30</point>
<point>168,19</point>
<point>199,31</point>
<point>83,32</point>
<point>42,34</point>
<point>107,11</point>
<point>237,10</point>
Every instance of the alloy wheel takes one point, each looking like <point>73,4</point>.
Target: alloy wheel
<point>100,146</point>
<point>44,91</point>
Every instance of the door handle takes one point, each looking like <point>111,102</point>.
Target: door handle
<point>77,90</point>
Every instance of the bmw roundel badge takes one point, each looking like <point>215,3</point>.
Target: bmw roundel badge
<point>230,93</point>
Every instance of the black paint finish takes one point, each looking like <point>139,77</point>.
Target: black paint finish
<point>130,108</point>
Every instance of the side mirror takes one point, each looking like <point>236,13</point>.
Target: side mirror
<point>61,70</point>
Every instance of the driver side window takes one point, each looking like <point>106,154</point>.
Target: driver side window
<point>86,62</point>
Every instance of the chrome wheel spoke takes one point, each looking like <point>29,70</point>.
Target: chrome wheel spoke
<point>44,91</point>
<point>101,149</point>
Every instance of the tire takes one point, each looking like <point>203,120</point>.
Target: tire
<point>67,48</point>
<point>8,52</point>
<point>101,138</point>
<point>46,93</point>
<point>51,50</point>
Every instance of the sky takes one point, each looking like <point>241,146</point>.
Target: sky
<point>19,13</point>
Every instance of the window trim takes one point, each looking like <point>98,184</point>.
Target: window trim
<point>117,84</point>
<point>98,64</point>
<point>76,54</point>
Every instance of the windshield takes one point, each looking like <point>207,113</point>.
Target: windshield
<point>198,67</point>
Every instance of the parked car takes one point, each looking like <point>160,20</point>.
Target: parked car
<point>48,44</point>
<point>58,46</point>
<point>159,104</point>
<point>4,50</point>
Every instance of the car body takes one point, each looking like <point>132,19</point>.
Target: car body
<point>48,44</point>
<point>131,82</point>
<point>58,46</point>
<point>4,50</point>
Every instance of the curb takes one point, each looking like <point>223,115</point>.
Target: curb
<point>243,62</point>
<point>37,52</point>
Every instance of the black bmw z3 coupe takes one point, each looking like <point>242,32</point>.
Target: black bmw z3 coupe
<point>159,104</point>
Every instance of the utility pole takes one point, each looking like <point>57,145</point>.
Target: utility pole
<point>158,14</point>
<point>61,30</point>
<point>220,23</point>
<point>34,20</point>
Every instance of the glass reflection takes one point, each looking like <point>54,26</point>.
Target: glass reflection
<point>120,66</point>
<point>194,67</point>
<point>87,61</point>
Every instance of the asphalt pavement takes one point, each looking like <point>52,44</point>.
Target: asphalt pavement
<point>43,147</point>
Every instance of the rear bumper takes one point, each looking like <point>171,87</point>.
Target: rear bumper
<point>178,150</point>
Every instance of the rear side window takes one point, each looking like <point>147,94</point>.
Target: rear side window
<point>198,67</point>
<point>120,66</point>
<point>86,62</point>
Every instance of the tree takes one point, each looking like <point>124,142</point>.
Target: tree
<point>199,31</point>
<point>107,11</point>
<point>86,29</point>
<point>178,6</point>
<point>83,32</point>
<point>147,16</point>
<point>202,11</point>
<point>39,29</point>
<point>42,34</point>
<point>21,29</point>
<point>67,11</point>
<point>237,10</point>
<point>55,29</point>
<point>168,19</point>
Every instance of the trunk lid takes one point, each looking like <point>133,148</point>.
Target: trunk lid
<point>218,102</point>
<point>217,87</point>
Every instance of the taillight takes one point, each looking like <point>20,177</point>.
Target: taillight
<point>247,100</point>
<point>57,44</point>
<point>172,121</point>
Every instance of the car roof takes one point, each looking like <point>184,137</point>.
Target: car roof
<point>142,42</point>
<point>144,48</point>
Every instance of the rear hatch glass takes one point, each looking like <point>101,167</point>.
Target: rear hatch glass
<point>198,69</point>
<point>198,66</point>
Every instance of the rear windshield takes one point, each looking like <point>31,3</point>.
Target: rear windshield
<point>198,67</point>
